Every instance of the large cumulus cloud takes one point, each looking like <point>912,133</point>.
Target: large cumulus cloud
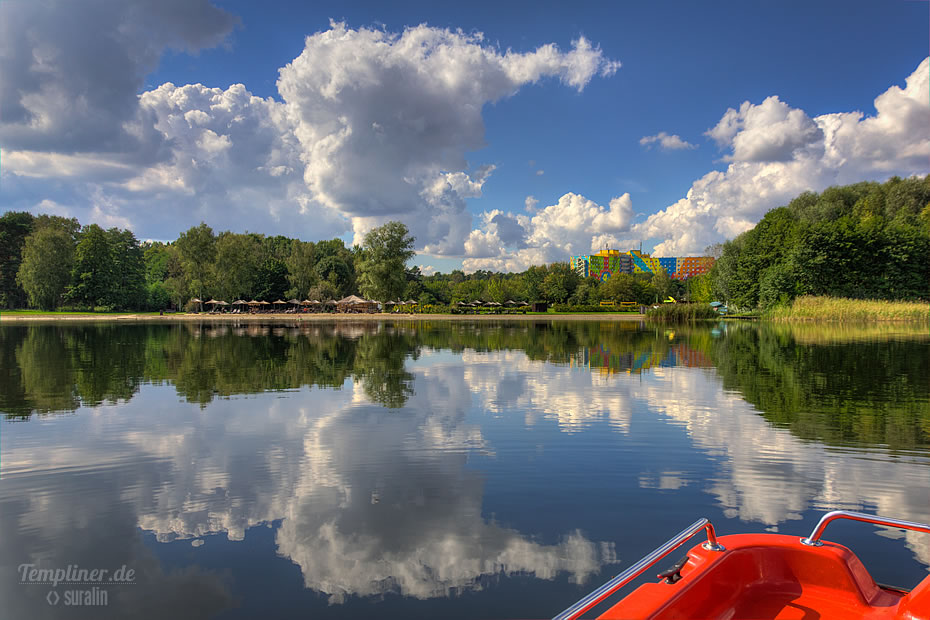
<point>371,125</point>
<point>386,120</point>
<point>777,152</point>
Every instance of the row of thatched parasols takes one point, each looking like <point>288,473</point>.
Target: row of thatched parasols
<point>490,304</point>
<point>280,302</point>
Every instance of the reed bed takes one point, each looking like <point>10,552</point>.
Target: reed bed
<point>681,313</point>
<point>839,309</point>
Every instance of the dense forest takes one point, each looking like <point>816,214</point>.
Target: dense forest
<point>862,241</point>
<point>867,240</point>
<point>50,262</point>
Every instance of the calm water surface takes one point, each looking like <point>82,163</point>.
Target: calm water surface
<point>439,470</point>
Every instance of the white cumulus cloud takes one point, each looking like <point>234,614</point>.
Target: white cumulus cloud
<point>385,120</point>
<point>777,152</point>
<point>371,125</point>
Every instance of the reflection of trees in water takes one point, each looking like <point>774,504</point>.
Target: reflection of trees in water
<point>836,389</point>
<point>53,369</point>
<point>822,383</point>
<point>56,368</point>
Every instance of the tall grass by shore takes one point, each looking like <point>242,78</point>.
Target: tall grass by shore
<point>850,310</point>
<point>681,313</point>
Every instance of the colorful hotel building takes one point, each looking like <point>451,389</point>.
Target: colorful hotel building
<point>606,263</point>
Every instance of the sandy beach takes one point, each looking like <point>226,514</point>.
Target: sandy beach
<point>292,318</point>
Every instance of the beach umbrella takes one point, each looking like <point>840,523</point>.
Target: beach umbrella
<point>510,302</point>
<point>212,302</point>
<point>306,302</point>
<point>254,303</point>
<point>294,301</point>
<point>278,302</point>
<point>411,302</point>
<point>240,302</point>
<point>329,302</point>
<point>524,303</point>
<point>265,303</point>
<point>223,303</point>
<point>353,300</point>
<point>196,301</point>
<point>314,302</point>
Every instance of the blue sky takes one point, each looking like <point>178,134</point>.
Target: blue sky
<point>521,169</point>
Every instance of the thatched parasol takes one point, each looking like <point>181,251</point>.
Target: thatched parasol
<point>296,302</point>
<point>353,300</point>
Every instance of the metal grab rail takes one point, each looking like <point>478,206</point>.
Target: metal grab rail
<point>599,595</point>
<point>814,539</point>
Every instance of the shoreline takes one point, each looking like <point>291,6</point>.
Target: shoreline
<point>290,318</point>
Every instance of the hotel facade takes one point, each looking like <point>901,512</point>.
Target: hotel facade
<point>607,263</point>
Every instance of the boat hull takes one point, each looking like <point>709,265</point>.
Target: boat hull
<point>772,576</point>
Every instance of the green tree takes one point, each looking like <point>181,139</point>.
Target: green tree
<point>382,270</point>
<point>619,288</point>
<point>300,272</point>
<point>662,284</point>
<point>197,252</point>
<point>559,283</point>
<point>533,282</point>
<point>322,291</point>
<point>156,257</point>
<point>127,286</point>
<point>15,226</point>
<point>271,280</point>
<point>46,266</point>
<point>237,265</point>
<point>92,273</point>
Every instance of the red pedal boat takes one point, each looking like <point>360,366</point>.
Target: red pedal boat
<point>762,576</point>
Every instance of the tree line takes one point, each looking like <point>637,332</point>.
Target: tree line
<point>862,241</point>
<point>50,262</point>
<point>867,240</point>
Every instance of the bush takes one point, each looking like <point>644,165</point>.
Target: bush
<point>682,313</point>
<point>585,308</point>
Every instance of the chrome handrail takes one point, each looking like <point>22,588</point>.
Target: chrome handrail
<point>814,539</point>
<point>599,595</point>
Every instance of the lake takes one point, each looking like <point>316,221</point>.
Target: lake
<point>436,469</point>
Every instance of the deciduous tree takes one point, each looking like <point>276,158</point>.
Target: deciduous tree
<point>46,266</point>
